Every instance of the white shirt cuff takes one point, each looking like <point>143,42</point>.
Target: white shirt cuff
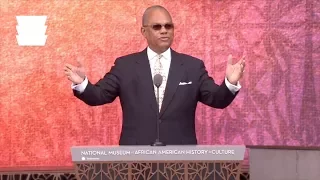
<point>231,87</point>
<point>80,87</point>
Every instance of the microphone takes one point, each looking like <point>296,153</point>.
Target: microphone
<point>157,81</point>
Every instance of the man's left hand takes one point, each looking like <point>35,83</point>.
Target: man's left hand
<point>234,72</point>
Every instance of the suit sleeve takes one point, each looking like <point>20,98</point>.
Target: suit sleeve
<point>212,94</point>
<point>105,90</point>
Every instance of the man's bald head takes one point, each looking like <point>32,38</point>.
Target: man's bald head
<point>157,28</point>
<point>149,10</point>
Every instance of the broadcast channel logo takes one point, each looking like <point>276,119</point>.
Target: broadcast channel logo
<point>31,30</point>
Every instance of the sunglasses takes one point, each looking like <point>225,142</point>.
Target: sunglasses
<point>157,27</point>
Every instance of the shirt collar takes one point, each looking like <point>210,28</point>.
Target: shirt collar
<point>151,54</point>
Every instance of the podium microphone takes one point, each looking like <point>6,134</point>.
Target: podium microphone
<point>157,81</point>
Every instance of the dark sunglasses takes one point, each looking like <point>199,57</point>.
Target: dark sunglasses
<point>157,27</point>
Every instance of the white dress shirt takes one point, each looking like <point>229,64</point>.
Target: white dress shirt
<point>165,61</point>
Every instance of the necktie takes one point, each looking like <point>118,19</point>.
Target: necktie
<point>158,69</point>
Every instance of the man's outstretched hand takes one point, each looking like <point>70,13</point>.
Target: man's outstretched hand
<point>75,74</point>
<point>234,72</point>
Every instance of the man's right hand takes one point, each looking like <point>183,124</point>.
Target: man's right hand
<point>75,74</point>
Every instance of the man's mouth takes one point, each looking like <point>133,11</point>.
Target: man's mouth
<point>164,38</point>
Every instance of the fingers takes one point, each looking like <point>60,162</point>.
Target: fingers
<point>242,63</point>
<point>79,63</point>
<point>69,78</point>
<point>71,71</point>
<point>67,72</point>
<point>74,68</point>
<point>69,66</point>
<point>242,60</point>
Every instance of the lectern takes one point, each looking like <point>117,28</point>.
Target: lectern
<point>284,163</point>
<point>184,162</point>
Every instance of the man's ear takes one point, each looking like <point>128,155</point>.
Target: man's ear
<point>143,32</point>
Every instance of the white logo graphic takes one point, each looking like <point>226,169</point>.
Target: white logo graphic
<point>31,30</point>
<point>83,158</point>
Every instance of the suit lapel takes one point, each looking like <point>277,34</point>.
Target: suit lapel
<point>145,78</point>
<point>174,77</point>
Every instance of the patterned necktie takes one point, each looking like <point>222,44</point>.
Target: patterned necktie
<point>158,69</point>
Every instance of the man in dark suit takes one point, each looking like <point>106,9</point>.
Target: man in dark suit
<point>185,82</point>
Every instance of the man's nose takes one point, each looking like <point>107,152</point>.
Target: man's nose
<point>163,30</point>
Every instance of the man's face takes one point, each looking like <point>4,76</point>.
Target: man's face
<point>158,30</point>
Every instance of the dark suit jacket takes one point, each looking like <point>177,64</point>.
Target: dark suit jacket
<point>130,78</point>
